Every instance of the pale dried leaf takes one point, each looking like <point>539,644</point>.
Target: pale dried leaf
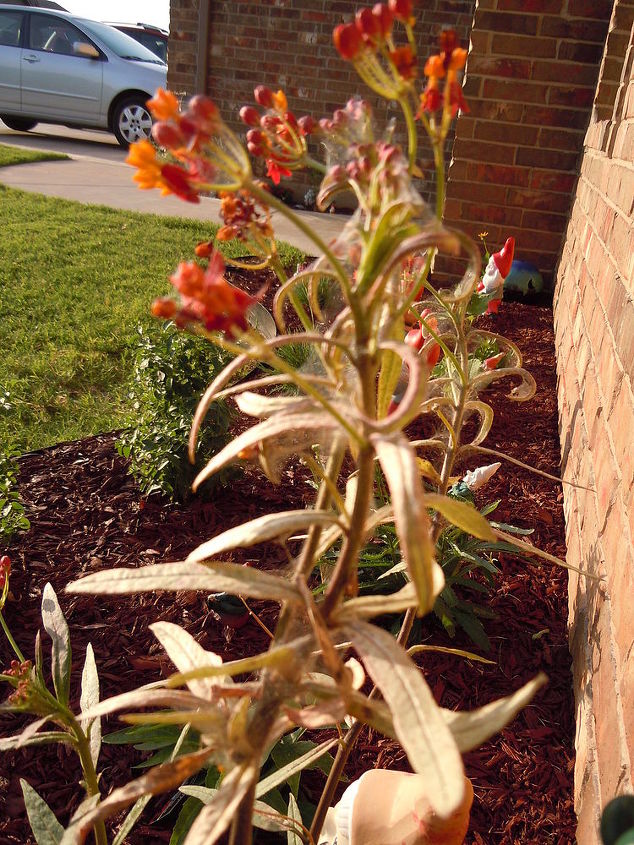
<point>260,530</point>
<point>57,629</point>
<point>366,607</point>
<point>145,697</point>
<point>214,576</point>
<point>417,719</point>
<point>399,464</point>
<point>470,730</point>
<point>186,654</point>
<point>216,817</point>
<point>281,424</point>
<point>90,698</point>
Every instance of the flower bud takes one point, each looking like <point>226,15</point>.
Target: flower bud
<point>347,40</point>
<point>384,17</point>
<point>401,9</point>
<point>368,26</point>
<point>307,124</point>
<point>167,135</point>
<point>263,96</point>
<point>269,121</point>
<point>203,108</point>
<point>249,115</point>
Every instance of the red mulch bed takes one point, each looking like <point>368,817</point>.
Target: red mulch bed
<point>86,513</point>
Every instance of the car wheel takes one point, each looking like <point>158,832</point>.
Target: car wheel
<point>20,124</point>
<point>132,122</point>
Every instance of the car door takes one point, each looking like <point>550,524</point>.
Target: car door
<point>11,28</point>
<point>56,82</point>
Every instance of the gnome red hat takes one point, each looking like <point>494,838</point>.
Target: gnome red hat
<point>504,258</point>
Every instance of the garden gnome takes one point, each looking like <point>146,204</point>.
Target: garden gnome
<point>496,271</point>
<point>385,807</point>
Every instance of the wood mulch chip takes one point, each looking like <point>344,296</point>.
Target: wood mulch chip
<point>87,514</point>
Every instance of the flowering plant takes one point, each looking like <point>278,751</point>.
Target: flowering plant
<point>388,348</point>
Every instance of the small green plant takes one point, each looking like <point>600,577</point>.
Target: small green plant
<point>171,370</point>
<point>12,517</point>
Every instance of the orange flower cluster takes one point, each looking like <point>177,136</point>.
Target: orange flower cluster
<point>21,672</point>
<point>420,339</point>
<point>190,137</point>
<point>241,217</point>
<point>277,136</point>
<point>205,297</point>
<point>445,65</point>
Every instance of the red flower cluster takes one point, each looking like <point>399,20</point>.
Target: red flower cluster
<point>445,65</point>
<point>372,28</point>
<point>205,297</point>
<point>420,339</point>
<point>277,136</point>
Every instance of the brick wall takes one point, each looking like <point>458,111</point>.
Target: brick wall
<point>530,82</point>
<point>288,44</point>
<point>594,323</point>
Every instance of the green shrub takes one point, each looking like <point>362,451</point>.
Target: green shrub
<point>12,516</point>
<point>171,371</point>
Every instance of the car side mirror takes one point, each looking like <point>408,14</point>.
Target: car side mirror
<point>83,48</point>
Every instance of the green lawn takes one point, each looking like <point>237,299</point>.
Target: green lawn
<point>75,281</point>
<point>16,155</point>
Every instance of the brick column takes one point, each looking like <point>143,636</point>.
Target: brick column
<point>530,82</point>
<point>594,324</point>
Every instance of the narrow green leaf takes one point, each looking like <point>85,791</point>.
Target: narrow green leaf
<point>46,829</point>
<point>90,698</point>
<point>280,776</point>
<point>461,514</point>
<point>217,576</point>
<point>391,368</point>
<point>459,652</point>
<point>418,721</point>
<point>292,837</point>
<point>188,813</point>
<point>57,629</point>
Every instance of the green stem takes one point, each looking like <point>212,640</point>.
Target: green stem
<point>439,161</point>
<point>412,137</point>
<point>90,775</point>
<point>12,642</point>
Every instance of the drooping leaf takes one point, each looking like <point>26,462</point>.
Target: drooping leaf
<point>471,729</point>
<point>90,698</point>
<point>260,530</point>
<point>46,829</point>
<point>398,462</point>
<point>186,654</point>
<point>57,629</point>
<point>461,514</point>
<point>188,813</point>
<point>215,576</point>
<point>158,780</point>
<point>418,721</point>
<point>10,743</point>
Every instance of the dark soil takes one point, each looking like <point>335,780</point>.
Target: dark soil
<point>86,513</point>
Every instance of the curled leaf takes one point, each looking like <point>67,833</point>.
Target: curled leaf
<point>462,515</point>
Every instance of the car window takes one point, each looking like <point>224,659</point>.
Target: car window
<point>120,43</point>
<point>156,45</point>
<point>53,35</point>
<point>10,28</point>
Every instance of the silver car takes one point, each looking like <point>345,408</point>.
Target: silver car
<point>59,68</point>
